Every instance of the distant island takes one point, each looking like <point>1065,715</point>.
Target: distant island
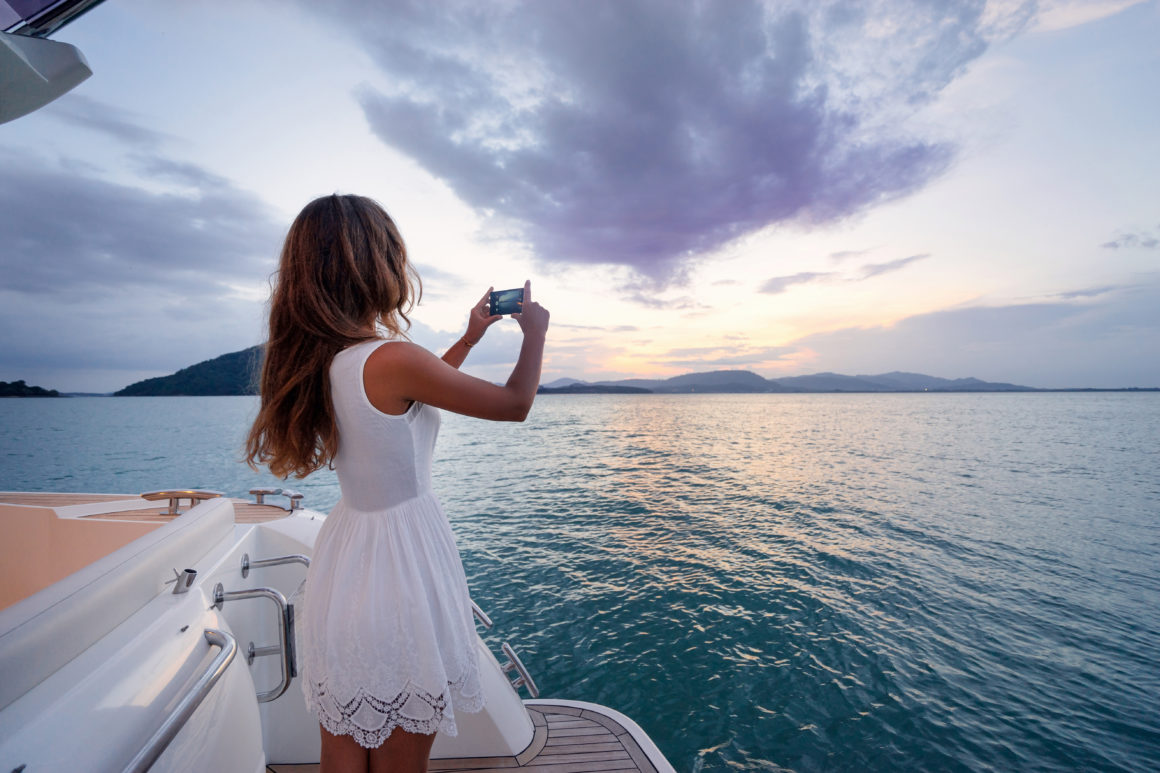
<point>236,373</point>
<point>20,389</point>
<point>746,382</point>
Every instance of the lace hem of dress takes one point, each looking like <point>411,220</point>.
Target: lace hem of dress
<point>370,720</point>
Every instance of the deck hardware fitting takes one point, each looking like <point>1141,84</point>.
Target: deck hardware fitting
<point>296,558</point>
<point>174,496</point>
<point>182,581</point>
<point>524,679</point>
<point>481,615</point>
<point>285,646</point>
<point>295,498</point>
<point>260,494</point>
<point>260,652</point>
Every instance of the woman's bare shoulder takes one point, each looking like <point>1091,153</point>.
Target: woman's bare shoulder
<point>389,372</point>
<point>395,365</point>
<point>393,353</point>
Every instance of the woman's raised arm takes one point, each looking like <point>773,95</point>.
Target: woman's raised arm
<point>399,373</point>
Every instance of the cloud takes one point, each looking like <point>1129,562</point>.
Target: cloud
<point>642,298</point>
<point>597,328</point>
<point>93,115</point>
<point>1090,292</point>
<point>1093,337</point>
<point>877,269</point>
<point>647,133</point>
<point>122,329</point>
<point>842,255</point>
<point>779,284</point>
<point>1144,240</point>
<point>717,358</point>
<point>1062,14</point>
<point>180,172</point>
<point>117,281</point>
<point>432,275</point>
<point>107,279</point>
<point>67,232</point>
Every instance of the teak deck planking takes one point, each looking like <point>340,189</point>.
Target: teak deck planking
<point>567,740</point>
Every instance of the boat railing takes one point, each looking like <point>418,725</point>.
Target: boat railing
<point>285,645</point>
<point>524,679</point>
<point>481,616</point>
<point>171,726</point>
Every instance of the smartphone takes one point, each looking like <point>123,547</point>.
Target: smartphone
<point>506,301</point>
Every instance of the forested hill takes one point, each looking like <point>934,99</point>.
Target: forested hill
<point>235,373</point>
<point>20,389</point>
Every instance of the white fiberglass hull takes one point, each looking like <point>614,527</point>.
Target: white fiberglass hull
<point>96,667</point>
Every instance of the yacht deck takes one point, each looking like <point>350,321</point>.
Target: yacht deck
<point>567,740</point>
<point>245,511</point>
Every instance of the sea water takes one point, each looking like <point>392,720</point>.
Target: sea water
<point>806,582</point>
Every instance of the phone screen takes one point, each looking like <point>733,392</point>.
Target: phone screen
<point>507,301</point>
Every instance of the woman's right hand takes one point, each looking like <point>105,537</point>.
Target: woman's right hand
<point>533,317</point>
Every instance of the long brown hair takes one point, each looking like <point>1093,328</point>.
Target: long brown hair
<point>343,270</point>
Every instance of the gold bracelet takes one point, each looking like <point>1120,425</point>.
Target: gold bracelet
<point>466,342</point>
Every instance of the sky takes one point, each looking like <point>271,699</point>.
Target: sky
<point>956,188</point>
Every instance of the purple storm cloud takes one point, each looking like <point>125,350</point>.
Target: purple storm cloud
<point>644,133</point>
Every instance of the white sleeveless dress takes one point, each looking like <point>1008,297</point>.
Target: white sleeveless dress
<point>386,631</point>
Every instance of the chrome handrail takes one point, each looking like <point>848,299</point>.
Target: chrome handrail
<point>481,615</point>
<point>189,703</point>
<point>285,631</point>
<point>296,558</point>
<point>524,678</point>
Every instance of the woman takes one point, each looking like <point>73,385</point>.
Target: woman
<point>388,653</point>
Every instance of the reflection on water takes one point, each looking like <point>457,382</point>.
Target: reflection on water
<point>831,582</point>
<point>821,582</point>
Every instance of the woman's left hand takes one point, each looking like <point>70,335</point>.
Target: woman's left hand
<point>479,320</point>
